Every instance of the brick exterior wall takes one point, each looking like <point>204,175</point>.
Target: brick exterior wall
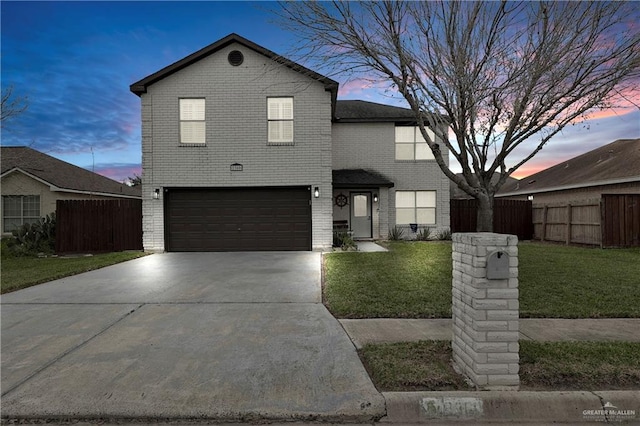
<point>236,132</point>
<point>485,312</point>
<point>371,146</point>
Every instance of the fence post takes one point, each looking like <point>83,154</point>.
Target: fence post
<point>485,309</point>
<point>569,221</point>
<point>544,222</point>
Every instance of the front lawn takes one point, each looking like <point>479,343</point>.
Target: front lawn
<point>22,272</point>
<point>426,366</point>
<point>576,282</point>
<point>413,280</point>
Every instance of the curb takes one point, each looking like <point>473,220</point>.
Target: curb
<point>577,407</point>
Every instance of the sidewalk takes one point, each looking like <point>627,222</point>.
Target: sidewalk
<point>389,330</point>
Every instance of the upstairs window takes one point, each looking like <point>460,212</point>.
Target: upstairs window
<point>192,123</point>
<point>280,121</point>
<point>18,210</point>
<point>410,145</point>
<point>415,207</point>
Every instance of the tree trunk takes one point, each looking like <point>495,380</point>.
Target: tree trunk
<point>485,214</point>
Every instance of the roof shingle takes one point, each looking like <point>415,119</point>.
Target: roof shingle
<point>61,174</point>
<point>359,178</point>
<point>617,161</point>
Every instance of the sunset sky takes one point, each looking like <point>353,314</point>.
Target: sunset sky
<point>74,61</point>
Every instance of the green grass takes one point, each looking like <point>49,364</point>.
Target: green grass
<point>22,272</point>
<point>415,366</point>
<point>577,282</point>
<point>406,282</point>
<point>580,365</point>
<point>413,280</point>
<point>426,365</point>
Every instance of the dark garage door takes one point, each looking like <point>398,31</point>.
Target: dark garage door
<point>238,219</point>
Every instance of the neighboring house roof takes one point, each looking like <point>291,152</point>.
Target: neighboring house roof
<point>60,175</point>
<point>617,162</point>
<point>360,178</point>
<point>456,193</point>
<point>140,87</point>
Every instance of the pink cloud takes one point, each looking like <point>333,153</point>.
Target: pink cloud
<point>118,172</point>
<point>360,85</point>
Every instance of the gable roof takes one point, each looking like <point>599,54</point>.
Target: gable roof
<point>617,162</point>
<point>60,174</point>
<point>140,87</point>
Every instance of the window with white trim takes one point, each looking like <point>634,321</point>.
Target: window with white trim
<point>280,121</point>
<point>410,145</point>
<point>18,210</point>
<point>192,121</point>
<point>416,207</point>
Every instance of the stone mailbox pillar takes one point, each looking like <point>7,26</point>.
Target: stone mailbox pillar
<point>485,309</point>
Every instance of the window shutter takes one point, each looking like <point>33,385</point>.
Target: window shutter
<point>426,199</point>
<point>405,134</point>
<point>192,121</point>
<point>280,109</point>
<point>405,199</point>
<point>192,109</point>
<point>280,120</point>
<point>192,131</point>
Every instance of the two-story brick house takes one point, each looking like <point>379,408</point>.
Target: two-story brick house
<point>243,149</point>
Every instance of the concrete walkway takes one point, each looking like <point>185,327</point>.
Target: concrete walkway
<point>388,330</point>
<point>369,247</point>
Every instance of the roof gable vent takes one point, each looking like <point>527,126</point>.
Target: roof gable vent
<point>235,58</point>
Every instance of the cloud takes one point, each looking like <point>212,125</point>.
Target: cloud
<point>579,139</point>
<point>77,93</point>
<point>369,88</point>
<point>117,171</point>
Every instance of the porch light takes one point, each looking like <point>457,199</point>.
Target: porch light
<point>316,192</point>
<point>375,198</point>
<point>530,198</point>
<point>156,194</point>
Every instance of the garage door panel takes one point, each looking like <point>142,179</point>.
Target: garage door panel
<point>238,219</point>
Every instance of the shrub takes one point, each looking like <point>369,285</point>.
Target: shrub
<point>34,238</point>
<point>343,240</point>
<point>396,233</point>
<point>445,235</point>
<point>424,234</point>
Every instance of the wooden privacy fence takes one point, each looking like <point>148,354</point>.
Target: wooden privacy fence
<point>574,223</point>
<point>620,220</point>
<point>93,226</point>
<point>612,221</point>
<point>509,217</point>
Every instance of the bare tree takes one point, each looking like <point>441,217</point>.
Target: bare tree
<point>11,106</point>
<point>497,74</point>
<point>136,180</point>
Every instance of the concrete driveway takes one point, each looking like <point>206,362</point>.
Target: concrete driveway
<point>224,336</point>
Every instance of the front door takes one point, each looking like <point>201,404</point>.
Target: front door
<point>361,214</point>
